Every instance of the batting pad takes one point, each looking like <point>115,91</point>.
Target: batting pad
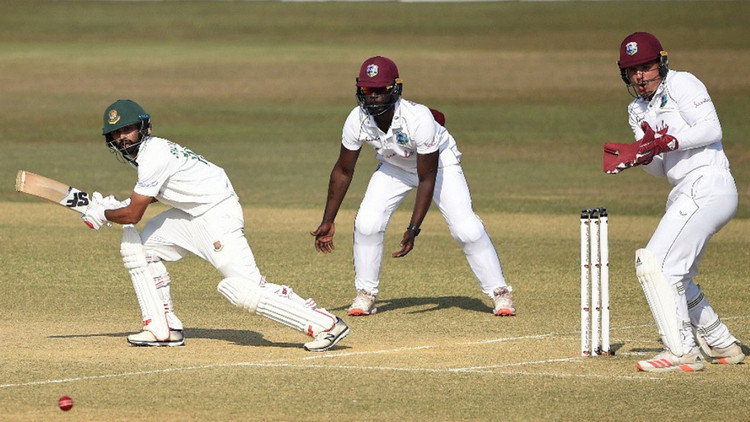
<point>277,303</point>
<point>152,307</point>
<point>662,299</point>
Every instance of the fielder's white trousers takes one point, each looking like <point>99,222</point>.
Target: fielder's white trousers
<point>697,208</point>
<point>387,188</point>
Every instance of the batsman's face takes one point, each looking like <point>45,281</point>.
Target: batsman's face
<point>125,136</point>
<point>645,77</point>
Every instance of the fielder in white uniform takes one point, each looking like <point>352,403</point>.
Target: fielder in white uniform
<point>416,152</point>
<point>678,137</point>
<point>206,219</point>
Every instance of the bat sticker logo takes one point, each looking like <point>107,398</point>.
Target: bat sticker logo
<point>79,199</point>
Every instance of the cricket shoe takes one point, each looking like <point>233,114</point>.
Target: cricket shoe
<point>729,355</point>
<point>666,361</point>
<point>147,338</point>
<point>364,304</point>
<point>327,339</point>
<point>503,302</point>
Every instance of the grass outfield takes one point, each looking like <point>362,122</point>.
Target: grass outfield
<point>530,90</point>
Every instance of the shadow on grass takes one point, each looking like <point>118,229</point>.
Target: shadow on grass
<point>238,337</point>
<point>429,304</point>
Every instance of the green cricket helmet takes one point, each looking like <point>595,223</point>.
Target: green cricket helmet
<point>124,113</point>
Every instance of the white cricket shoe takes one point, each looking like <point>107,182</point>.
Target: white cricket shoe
<point>503,302</point>
<point>729,355</point>
<point>364,304</point>
<point>147,338</point>
<point>666,361</point>
<point>327,339</point>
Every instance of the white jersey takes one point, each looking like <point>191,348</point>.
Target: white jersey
<point>413,131</point>
<point>682,104</point>
<point>180,178</point>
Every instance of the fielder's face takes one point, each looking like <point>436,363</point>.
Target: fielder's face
<point>376,99</point>
<point>645,77</point>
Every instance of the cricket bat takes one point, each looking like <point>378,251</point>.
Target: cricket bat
<point>52,190</point>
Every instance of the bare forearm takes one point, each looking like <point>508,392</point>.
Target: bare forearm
<point>337,188</point>
<point>422,202</point>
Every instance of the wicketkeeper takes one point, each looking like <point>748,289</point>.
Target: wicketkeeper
<point>678,136</point>
<point>205,219</point>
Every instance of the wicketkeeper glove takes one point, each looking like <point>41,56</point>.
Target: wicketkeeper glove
<point>654,143</point>
<point>618,157</point>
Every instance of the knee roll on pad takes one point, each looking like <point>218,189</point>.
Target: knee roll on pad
<point>277,303</point>
<point>662,299</point>
<point>152,307</point>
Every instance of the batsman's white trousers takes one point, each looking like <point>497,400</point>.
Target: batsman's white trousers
<point>697,208</point>
<point>386,190</point>
<point>216,236</point>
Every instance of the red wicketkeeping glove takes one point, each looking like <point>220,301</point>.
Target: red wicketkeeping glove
<point>618,157</point>
<point>654,143</point>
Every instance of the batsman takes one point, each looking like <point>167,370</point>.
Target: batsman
<point>678,136</point>
<point>205,218</point>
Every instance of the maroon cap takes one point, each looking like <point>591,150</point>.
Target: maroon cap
<point>377,72</point>
<point>638,48</point>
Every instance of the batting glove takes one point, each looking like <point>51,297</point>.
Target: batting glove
<point>94,217</point>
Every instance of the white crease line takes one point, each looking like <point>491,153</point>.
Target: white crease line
<point>506,365</point>
<point>497,340</point>
<point>330,355</point>
<point>480,369</point>
<point>373,352</point>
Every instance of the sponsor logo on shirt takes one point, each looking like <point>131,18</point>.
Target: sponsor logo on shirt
<point>701,102</point>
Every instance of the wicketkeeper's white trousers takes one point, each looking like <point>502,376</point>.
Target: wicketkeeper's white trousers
<point>697,208</point>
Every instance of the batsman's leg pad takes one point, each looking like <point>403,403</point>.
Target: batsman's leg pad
<point>152,307</point>
<point>662,299</point>
<point>162,280</point>
<point>278,303</point>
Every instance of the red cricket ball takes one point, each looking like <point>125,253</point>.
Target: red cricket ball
<point>65,403</point>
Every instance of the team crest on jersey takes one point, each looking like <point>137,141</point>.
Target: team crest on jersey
<point>218,246</point>
<point>372,70</point>
<point>114,117</point>
<point>402,139</point>
<point>663,101</point>
<point>631,48</point>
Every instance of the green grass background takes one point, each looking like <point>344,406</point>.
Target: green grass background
<point>530,90</point>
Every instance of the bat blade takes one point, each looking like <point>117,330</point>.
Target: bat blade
<point>52,190</point>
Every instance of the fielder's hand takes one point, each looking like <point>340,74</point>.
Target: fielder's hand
<point>324,237</point>
<point>407,244</point>
<point>654,143</point>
